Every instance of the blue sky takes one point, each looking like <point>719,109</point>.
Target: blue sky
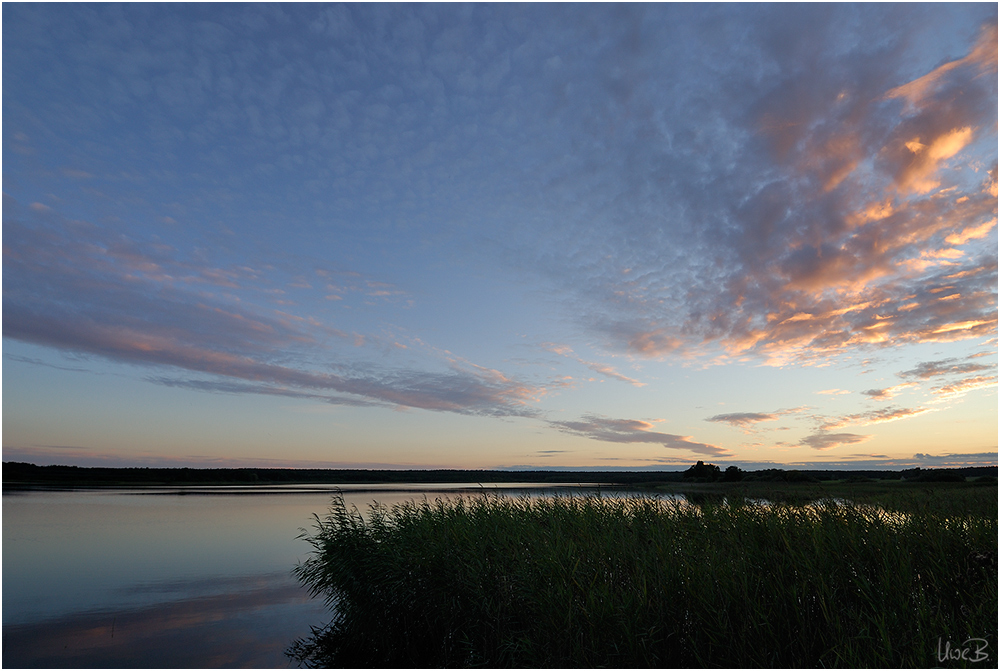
<point>492,235</point>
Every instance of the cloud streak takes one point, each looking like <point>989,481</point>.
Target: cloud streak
<point>826,441</point>
<point>962,387</point>
<point>748,422</point>
<point>743,420</point>
<point>626,431</point>
<point>118,300</point>
<point>603,369</point>
<point>873,417</point>
<point>929,369</point>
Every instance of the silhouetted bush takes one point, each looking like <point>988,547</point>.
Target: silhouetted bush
<point>733,474</point>
<point>940,476</point>
<point>702,472</point>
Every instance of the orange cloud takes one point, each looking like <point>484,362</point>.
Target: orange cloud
<point>971,233</point>
<point>962,387</point>
<point>983,57</point>
<point>918,175</point>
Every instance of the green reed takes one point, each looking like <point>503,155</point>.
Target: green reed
<point>642,582</point>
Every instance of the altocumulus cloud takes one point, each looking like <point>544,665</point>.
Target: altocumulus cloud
<point>887,393</point>
<point>971,376</point>
<point>776,182</point>
<point>841,203</point>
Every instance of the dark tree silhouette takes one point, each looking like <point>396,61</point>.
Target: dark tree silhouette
<point>732,474</point>
<point>702,472</point>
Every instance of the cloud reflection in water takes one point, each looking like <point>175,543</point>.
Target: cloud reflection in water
<point>248,624</point>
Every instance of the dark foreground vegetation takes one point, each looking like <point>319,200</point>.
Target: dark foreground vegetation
<point>583,582</point>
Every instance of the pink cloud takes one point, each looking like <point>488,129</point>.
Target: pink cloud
<point>919,92</point>
<point>868,208</point>
<point>962,387</point>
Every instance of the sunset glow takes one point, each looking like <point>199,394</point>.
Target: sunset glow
<point>500,236</point>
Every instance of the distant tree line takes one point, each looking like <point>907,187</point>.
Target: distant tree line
<point>21,474</point>
<point>702,472</point>
<point>29,474</point>
<point>934,475</point>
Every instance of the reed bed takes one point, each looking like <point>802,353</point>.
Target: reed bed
<point>643,582</point>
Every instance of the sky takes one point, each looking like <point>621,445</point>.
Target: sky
<point>589,236</point>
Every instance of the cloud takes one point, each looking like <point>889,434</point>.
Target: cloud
<point>848,462</point>
<point>808,214</point>
<point>918,173</point>
<point>982,59</point>
<point>233,387</point>
<point>686,179</point>
<point>63,447</point>
<point>633,431</point>
<point>971,233</point>
<point>962,387</point>
<point>966,368</point>
<point>747,421</point>
<point>743,420</point>
<point>883,462</point>
<point>463,392</point>
<point>39,362</point>
<point>44,455</point>
<point>825,441</point>
<point>957,460</point>
<point>603,369</point>
<point>929,369</point>
<point>888,392</point>
<point>78,288</point>
<point>692,178</point>
<point>873,417</point>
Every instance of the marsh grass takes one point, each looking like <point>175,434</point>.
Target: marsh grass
<point>643,582</point>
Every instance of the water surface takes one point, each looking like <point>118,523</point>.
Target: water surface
<point>169,577</point>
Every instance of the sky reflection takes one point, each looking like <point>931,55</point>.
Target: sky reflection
<point>106,578</point>
<point>250,624</point>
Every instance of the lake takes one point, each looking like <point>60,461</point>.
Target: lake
<point>172,577</point>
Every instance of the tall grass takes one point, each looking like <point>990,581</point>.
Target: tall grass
<point>583,581</point>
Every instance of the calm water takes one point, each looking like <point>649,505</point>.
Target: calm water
<point>173,577</point>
